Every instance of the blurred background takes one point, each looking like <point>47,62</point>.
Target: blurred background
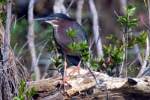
<point>110,31</point>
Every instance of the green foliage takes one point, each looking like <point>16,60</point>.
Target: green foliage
<point>128,20</point>
<point>2,17</point>
<point>24,92</point>
<point>80,48</point>
<point>133,71</point>
<point>141,39</point>
<point>2,14</point>
<point>20,26</point>
<point>130,10</point>
<point>113,39</point>
<point>74,47</point>
<point>29,93</point>
<point>96,63</point>
<point>113,56</point>
<point>71,32</point>
<point>2,1</point>
<point>57,60</point>
<point>114,53</point>
<point>84,50</point>
<point>18,33</point>
<point>44,33</point>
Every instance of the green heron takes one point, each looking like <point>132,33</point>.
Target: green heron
<point>61,24</point>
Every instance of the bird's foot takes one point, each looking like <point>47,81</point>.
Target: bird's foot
<point>64,85</point>
<point>75,69</point>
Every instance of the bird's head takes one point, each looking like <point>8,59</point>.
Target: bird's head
<point>55,19</point>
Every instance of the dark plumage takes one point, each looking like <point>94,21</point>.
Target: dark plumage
<point>61,24</point>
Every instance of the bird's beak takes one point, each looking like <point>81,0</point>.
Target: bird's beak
<point>50,20</point>
<point>45,19</point>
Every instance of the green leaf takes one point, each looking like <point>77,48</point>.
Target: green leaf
<point>127,20</point>
<point>109,37</point>
<point>123,20</point>
<point>141,39</point>
<point>132,23</point>
<point>21,88</point>
<point>31,92</point>
<point>131,10</point>
<point>2,1</point>
<point>16,98</point>
<point>71,32</point>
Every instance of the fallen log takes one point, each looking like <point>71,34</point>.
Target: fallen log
<point>85,81</point>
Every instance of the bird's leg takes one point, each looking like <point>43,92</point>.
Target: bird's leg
<point>65,78</point>
<point>65,84</point>
<point>78,67</point>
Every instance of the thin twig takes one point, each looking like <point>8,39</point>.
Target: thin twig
<point>21,49</point>
<point>123,67</point>
<point>41,52</point>
<point>36,45</point>
<point>123,61</point>
<point>72,1</point>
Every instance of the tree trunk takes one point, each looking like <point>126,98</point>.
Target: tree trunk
<point>8,72</point>
<point>59,7</point>
<point>79,11</point>
<point>96,33</point>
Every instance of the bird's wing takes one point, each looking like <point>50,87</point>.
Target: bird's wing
<point>81,34</point>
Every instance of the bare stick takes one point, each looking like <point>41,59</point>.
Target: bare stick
<point>138,54</point>
<point>31,39</point>
<point>71,3</point>
<point>38,58</point>
<point>79,11</point>
<point>96,29</point>
<point>144,65</point>
<point>123,61</point>
<point>123,66</point>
